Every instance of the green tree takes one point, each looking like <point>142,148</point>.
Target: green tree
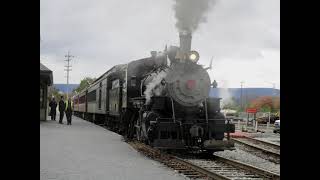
<point>84,84</point>
<point>54,92</point>
<point>265,108</point>
<point>266,103</point>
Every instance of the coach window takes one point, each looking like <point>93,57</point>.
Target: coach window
<point>133,81</point>
<point>91,96</point>
<point>115,84</point>
<point>41,96</point>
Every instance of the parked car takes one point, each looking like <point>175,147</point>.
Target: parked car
<point>264,120</point>
<point>277,126</point>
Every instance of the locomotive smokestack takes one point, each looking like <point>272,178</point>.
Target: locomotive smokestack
<point>185,41</point>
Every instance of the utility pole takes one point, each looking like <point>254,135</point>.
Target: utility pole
<point>273,88</point>
<point>68,66</point>
<point>273,96</point>
<point>40,47</point>
<point>241,100</point>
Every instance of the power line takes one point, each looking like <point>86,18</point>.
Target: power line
<point>68,69</point>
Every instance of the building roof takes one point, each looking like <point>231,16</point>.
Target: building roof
<point>46,74</point>
<point>44,68</point>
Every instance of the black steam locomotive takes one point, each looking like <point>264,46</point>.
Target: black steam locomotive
<point>162,100</point>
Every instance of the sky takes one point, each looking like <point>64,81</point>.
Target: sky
<point>242,37</point>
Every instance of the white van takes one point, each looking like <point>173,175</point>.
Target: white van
<point>277,126</point>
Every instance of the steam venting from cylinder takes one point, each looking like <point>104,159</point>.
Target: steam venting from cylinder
<point>154,87</point>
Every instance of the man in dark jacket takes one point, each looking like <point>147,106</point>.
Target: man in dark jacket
<point>53,109</point>
<point>69,111</point>
<point>62,107</point>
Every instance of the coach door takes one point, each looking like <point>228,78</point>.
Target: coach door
<point>86,106</point>
<point>107,96</point>
<point>115,98</point>
<point>100,96</point>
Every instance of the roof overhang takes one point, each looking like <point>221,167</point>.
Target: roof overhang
<point>46,75</point>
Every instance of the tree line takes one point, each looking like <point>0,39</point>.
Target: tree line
<point>84,83</point>
<point>262,103</point>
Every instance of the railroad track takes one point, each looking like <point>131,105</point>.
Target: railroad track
<point>260,148</point>
<point>215,168</point>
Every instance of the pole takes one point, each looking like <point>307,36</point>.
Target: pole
<point>247,119</point>
<point>269,121</point>
<point>256,127</point>
<point>241,103</point>
<point>254,118</point>
<point>274,87</point>
<point>68,66</point>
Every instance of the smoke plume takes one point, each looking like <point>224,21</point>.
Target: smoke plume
<point>190,13</point>
<point>226,97</point>
<point>225,94</point>
<point>154,88</point>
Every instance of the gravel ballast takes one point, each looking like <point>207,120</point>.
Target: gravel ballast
<point>251,159</point>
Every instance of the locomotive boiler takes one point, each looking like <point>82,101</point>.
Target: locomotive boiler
<point>162,100</point>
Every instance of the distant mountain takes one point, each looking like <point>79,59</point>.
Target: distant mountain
<point>247,93</point>
<point>64,87</point>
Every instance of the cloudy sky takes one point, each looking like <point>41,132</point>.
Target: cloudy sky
<point>242,36</point>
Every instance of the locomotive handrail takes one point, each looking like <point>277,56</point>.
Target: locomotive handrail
<point>173,113</point>
<point>203,120</point>
<point>205,102</point>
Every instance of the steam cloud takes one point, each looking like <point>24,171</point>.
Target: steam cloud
<point>154,88</point>
<point>225,94</point>
<point>226,97</point>
<point>190,13</point>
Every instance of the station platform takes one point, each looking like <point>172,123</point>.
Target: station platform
<point>85,151</point>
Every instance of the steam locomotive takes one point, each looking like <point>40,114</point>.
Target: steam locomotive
<point>162,100</point>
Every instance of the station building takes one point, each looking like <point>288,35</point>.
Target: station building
<point>46,80</point>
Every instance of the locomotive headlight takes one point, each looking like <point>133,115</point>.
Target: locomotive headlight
<point>194,56</point>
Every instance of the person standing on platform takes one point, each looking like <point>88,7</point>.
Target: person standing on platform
<point>69,111</point>
<point>53,109</point>
<point>62,108</point>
